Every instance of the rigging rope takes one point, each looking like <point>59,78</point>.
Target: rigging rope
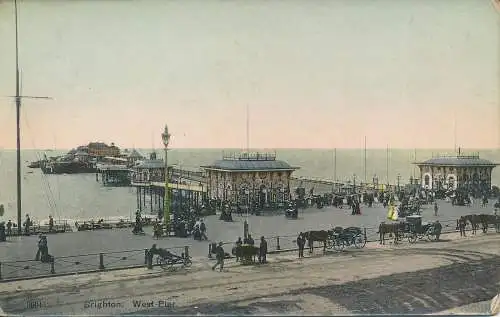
<point>48,193</point>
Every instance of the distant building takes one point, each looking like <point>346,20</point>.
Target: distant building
<point>100,149</point>
<point>468,172</point>
<point>249,178</point>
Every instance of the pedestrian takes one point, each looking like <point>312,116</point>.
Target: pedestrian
<point>437,229</point>
<point>301,243</point>
<point>9,227</point>
<point>436,208</point>
<point>40,247</point>
<point>219,256</point>
<point>263,251</point>
<point>27,225</point>
<point>461,225</point>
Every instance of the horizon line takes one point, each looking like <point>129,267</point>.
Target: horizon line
<point>270,149</point>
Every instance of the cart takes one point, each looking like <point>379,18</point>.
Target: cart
<point>416,230</point>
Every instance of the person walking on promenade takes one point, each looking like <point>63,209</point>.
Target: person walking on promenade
<point>301,242</point>
<point>461,225</point>
<point>9,227</point>
<point>263,251</point>
<point>27,225</point>
<point>436,208</point>
<point>438,227</point>
<point>219,255</point>
<point>239,243</point>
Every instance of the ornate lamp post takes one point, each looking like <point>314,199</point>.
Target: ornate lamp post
<point>165,136</point>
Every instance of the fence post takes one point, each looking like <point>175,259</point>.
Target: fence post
<point>364,230</point>
<point>101,261</point>
<point>186,252</point>
<point>209,250</point>
<point>52,268</point>
<point>278,243</point>
<point>145,256</point>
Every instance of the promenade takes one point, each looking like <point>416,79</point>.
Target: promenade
<point>423,278</point>
<point>94,242</point>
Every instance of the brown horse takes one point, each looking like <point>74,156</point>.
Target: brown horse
<point>474,222</point>
<point>320,235</point>
<point>390,228</point>
<point>486,220</point>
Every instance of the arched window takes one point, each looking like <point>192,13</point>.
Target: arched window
<point>427,180</point>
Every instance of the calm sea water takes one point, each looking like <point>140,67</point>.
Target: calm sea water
<point>81,197</point>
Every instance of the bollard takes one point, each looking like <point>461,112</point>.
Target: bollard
<point>146,256</point>
<point>186,252</point>
<point>101,261</point>
<point>278,243</point>
<point>52,268</point>
<point>209,250</point>
<point>364,229</point>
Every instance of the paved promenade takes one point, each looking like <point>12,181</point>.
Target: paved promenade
<point>422,278</point>
<point>67,244</point>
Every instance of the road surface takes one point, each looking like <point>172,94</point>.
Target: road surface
<point>422,278</point>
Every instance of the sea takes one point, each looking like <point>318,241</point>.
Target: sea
<point>81,197</point>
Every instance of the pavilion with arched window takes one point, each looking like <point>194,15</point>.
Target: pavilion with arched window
<point>468,172</point>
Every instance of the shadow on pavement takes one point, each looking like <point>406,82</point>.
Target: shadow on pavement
<point>420,292</point>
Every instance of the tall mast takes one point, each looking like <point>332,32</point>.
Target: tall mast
<point>335,168</point>
<point>18,128</point>
<point>455,131</point>
<point>18,124</point>
<point>248,129</point>
<point>365,161</point>
<point>387,164</point>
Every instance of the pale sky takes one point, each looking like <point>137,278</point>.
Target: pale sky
<point>315,74</point>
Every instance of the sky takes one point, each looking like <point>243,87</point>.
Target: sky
<point>313,74</point>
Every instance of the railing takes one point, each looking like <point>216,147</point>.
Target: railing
<point>77,264</point>
<point>288,243</point>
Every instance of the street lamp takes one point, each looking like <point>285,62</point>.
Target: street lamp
<point>165,136</point>
<point>245,223</point>
<point>399,178</point>
<point>354,182</point>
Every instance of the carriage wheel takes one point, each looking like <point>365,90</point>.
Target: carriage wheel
<point>431,236</point>
<point>165,264</point>
<point>412,238</point>
<point>359,241</point>
<point>329,243</point>
<point>187,262</point>
<point>338,245</point>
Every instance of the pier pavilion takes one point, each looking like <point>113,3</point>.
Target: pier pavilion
<point>469,172</point>
<point>249,179</point>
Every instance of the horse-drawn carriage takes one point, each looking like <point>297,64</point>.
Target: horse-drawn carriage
<point>340,238</point>
<point>292,211</point>
<point>416,230</point>
<point>166,260</point>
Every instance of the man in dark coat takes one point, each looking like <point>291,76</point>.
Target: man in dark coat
<point>219,256</point>
<point>462,223</point>
<point>263,250</point>
<point>301,242</point>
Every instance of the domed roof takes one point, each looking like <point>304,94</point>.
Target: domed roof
<point>250,165</point>
<point>472,160</point>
